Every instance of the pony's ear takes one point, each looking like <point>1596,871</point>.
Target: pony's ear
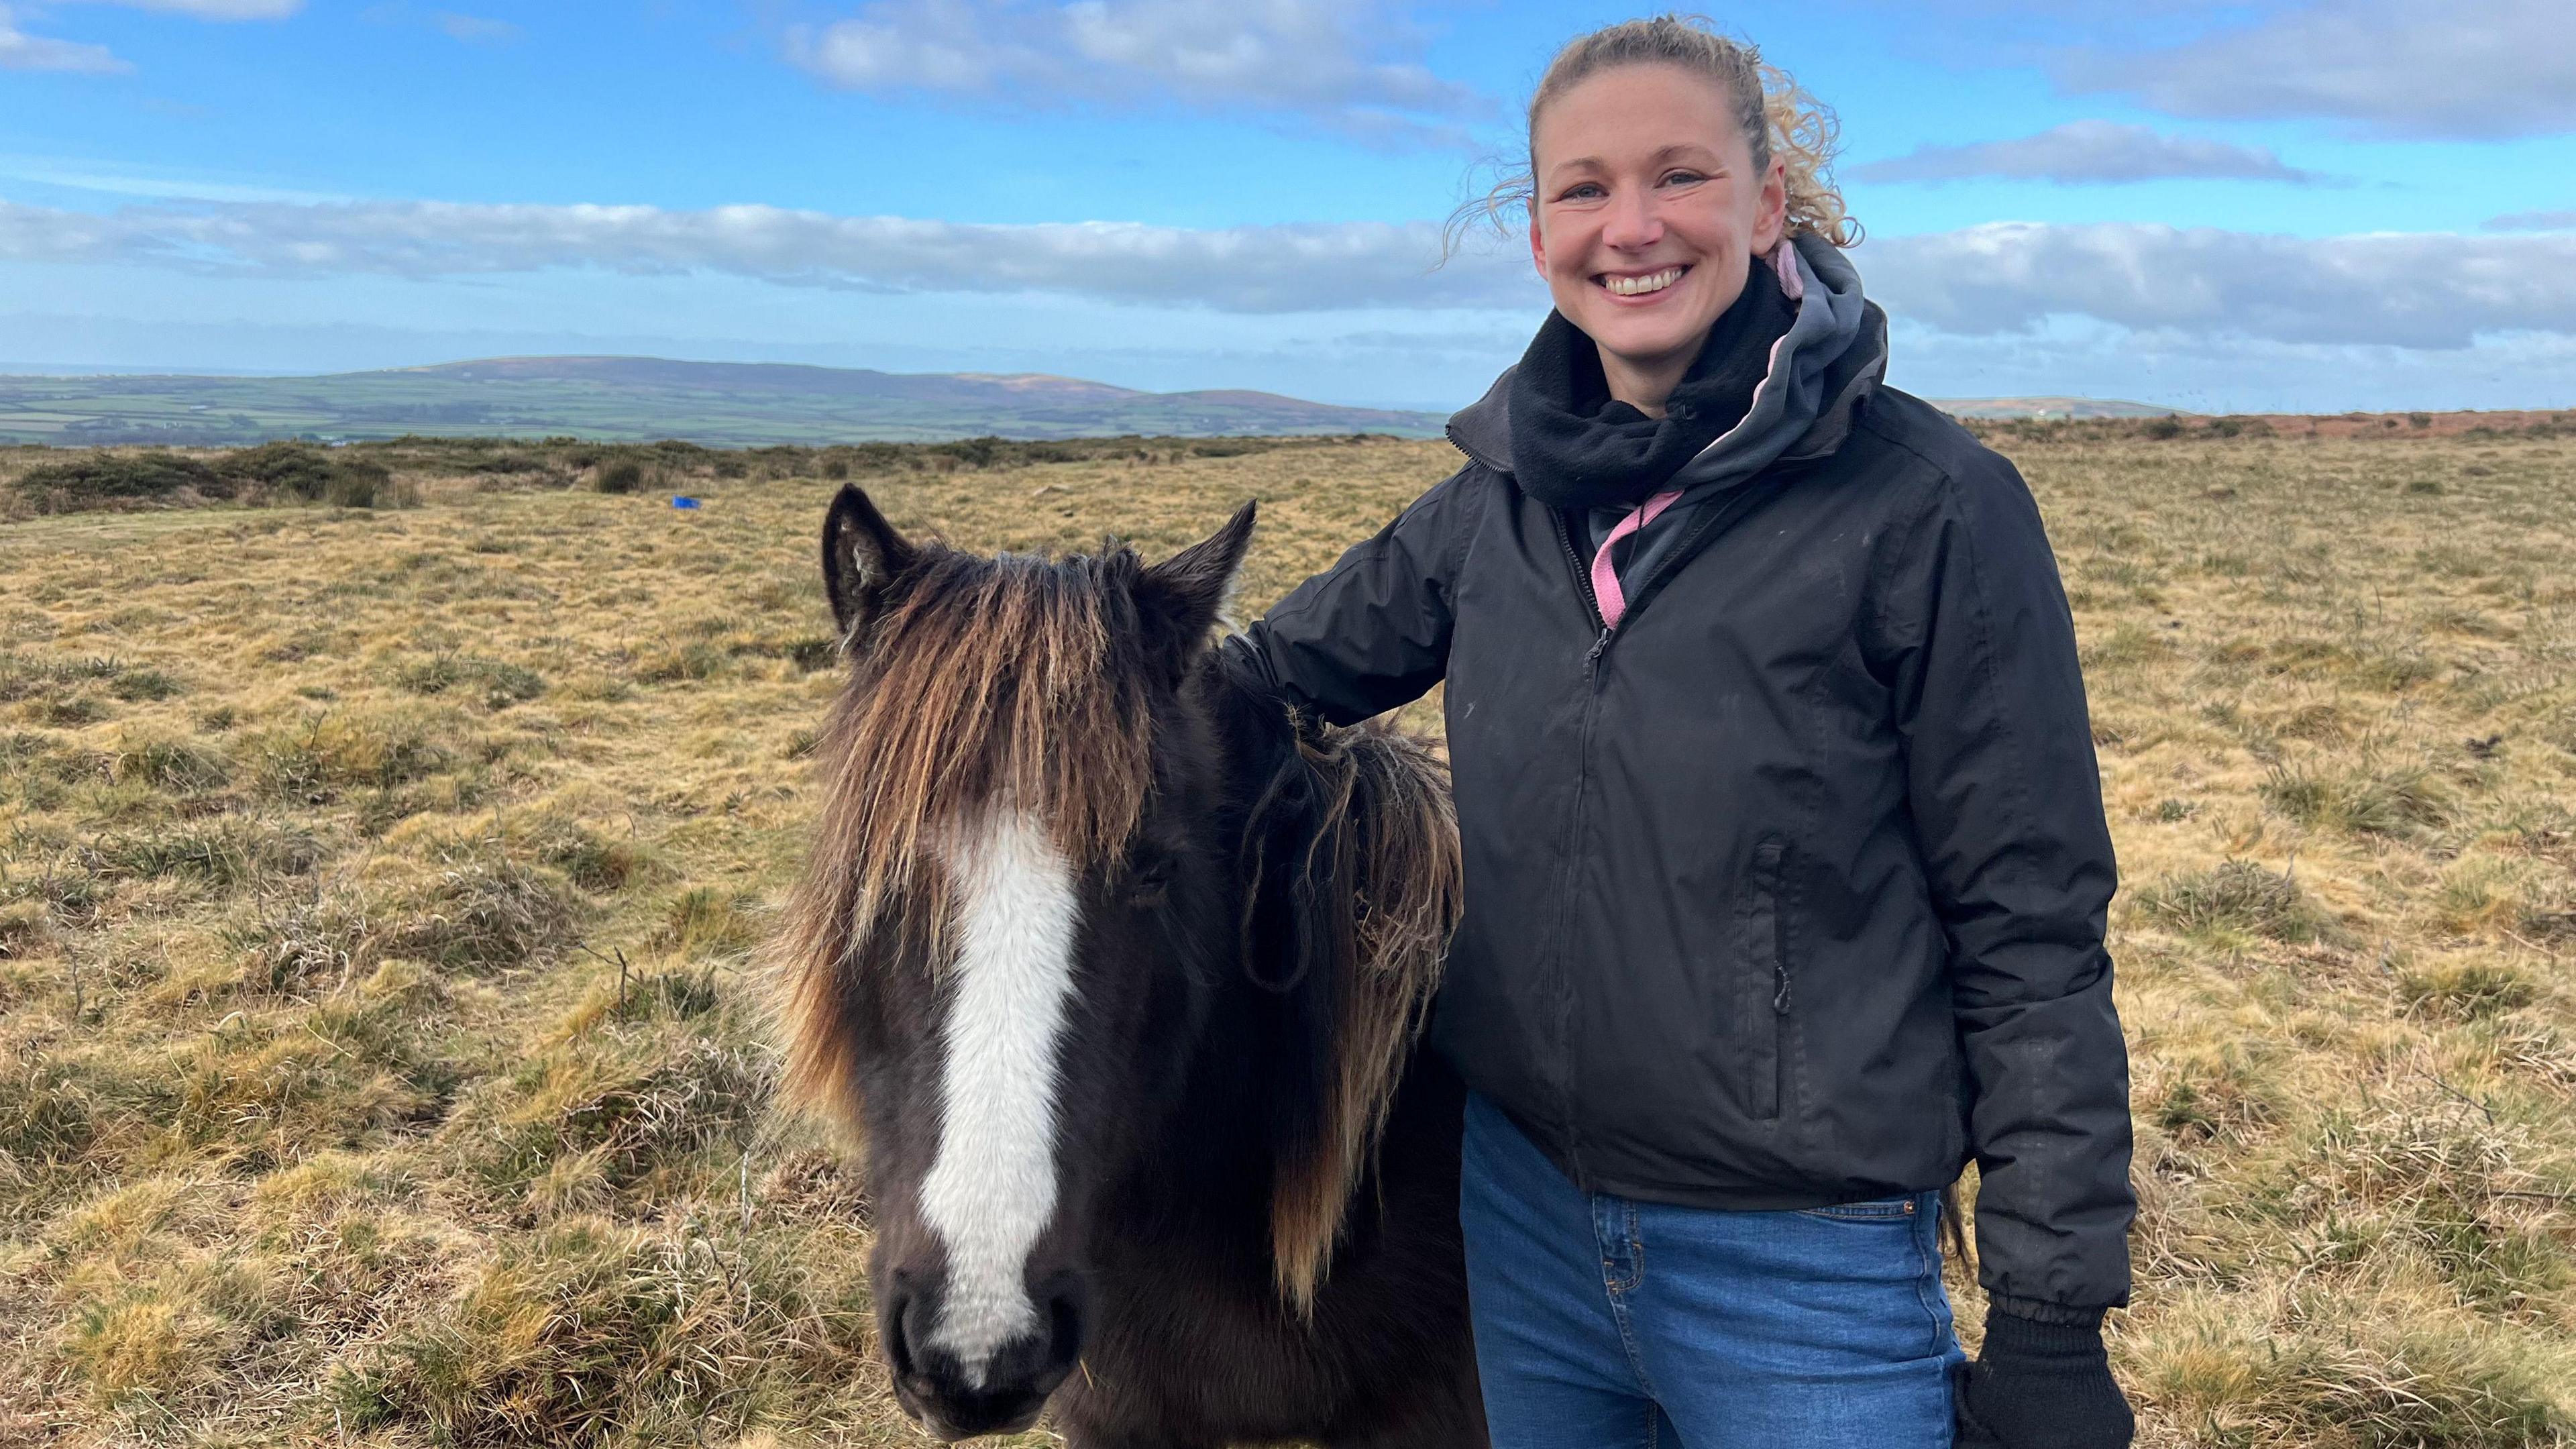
<point>863,558</point>
<point>1180,598</point>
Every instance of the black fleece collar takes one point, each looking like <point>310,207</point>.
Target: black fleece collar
<point>1574,446</point>
<point>1482,429</point>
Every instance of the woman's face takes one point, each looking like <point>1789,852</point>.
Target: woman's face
<point>1647,212</point>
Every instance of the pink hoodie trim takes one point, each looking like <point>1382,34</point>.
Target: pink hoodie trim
<point>1605,576</point>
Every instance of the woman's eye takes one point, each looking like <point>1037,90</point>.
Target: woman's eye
<point>1683,178</point>
<point>1584,192</point>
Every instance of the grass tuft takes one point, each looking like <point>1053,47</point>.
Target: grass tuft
<point>2233,900</point>
<point>495,683</point>
<point>706,922</point>
<point>485,912</point>
<point>312,762</point>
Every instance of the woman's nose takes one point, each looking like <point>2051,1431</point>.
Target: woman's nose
<point>1631,222</point>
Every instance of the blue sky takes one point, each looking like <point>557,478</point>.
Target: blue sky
<point>2356,203</point>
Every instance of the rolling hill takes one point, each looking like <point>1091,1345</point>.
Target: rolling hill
<point>639,398</point>
<point>1995,409</point>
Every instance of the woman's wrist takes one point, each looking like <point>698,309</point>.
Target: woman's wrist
<point>2011,1335</point>
<point>2036,1310</point>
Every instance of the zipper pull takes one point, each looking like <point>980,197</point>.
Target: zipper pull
<point>1598,646</point>
<point>1780,997</point>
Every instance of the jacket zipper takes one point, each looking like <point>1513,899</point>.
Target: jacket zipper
<point>1770,880</point>
<point>1780,992</point>
<point>1564,979</point>
<point>1582,585</point>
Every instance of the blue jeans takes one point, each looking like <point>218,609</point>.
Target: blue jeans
<point>1603,1322</point>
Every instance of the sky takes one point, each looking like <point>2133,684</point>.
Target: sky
<point>2256,206</point>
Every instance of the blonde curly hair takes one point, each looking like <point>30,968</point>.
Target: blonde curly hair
<point>1777,115</point>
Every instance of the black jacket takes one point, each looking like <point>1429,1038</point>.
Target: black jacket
<point>1791,890</point>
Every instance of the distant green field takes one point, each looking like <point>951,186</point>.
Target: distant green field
<point>640,399</point>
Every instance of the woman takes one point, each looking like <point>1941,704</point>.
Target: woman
<point>1786,863</point>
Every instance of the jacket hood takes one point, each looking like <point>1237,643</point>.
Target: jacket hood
<point>1836,351</point>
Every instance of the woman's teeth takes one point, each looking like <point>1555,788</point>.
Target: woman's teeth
<point>1640,286</point>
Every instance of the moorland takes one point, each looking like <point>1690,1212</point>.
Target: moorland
<point>386,834</point>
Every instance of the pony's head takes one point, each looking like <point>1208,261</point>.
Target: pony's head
<point>996,925</point>
<point>1033,889</point>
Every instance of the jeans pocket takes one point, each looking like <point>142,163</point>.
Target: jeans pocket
<point>1875,1210</point>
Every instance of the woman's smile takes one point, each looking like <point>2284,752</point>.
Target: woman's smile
<point>1638,287</point>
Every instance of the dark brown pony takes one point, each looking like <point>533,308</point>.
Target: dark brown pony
<point>1120,973</point>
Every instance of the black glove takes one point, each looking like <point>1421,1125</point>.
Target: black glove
<point>2041,1386</point>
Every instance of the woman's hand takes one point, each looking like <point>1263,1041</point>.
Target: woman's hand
<point>2041,1386</point>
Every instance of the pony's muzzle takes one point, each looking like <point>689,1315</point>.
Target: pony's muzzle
<point>1005,1393</point>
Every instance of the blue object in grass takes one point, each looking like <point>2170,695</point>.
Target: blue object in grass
<point>683,501</point>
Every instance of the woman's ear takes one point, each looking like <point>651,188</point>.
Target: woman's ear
<point>1538,243</point>
<point>863,560</point>
<point>1771,220</point>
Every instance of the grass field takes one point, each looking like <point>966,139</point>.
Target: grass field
<point>380,1060</point>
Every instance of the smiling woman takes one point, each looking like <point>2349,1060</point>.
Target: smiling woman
<point>1786,866</point>
<point>1753,160</point>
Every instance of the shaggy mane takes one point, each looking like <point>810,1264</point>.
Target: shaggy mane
<point>1379,883</point>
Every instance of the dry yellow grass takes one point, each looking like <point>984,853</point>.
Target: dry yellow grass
<point>381,1064</point>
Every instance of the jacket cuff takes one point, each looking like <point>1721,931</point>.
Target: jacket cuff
<point>2040,1311</point>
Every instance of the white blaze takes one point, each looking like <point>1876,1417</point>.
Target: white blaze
<point>992,1187</point>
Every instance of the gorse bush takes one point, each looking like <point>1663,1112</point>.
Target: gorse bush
<point>275,473</point>
<point>625,475</point>
<point>304,473</point>
<point>112,480</point>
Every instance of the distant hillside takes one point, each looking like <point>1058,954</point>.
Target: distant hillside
<point>2051,407</point>
<point>641,398</point>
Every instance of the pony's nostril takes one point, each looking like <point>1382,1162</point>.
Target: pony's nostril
<point>899,1332</point>
<point>1068,1306</point>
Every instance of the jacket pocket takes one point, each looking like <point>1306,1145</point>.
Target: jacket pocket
<point>1764,1014</point>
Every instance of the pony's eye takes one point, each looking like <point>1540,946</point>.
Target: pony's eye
<point>1149,877</point>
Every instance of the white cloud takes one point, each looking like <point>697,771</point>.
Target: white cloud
<point>113,178</point>
<point>2406,290</point>
<point>2418,290</point>
<point>2533,221</point>
<point>215,9</point>
<point>21,51</point>
<point>2235,374</point>
<point>2082,152</point>
<point>1289,268</point>
<point>2463,69</point>
<point>475,29</point>
<point>1343,63</point>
